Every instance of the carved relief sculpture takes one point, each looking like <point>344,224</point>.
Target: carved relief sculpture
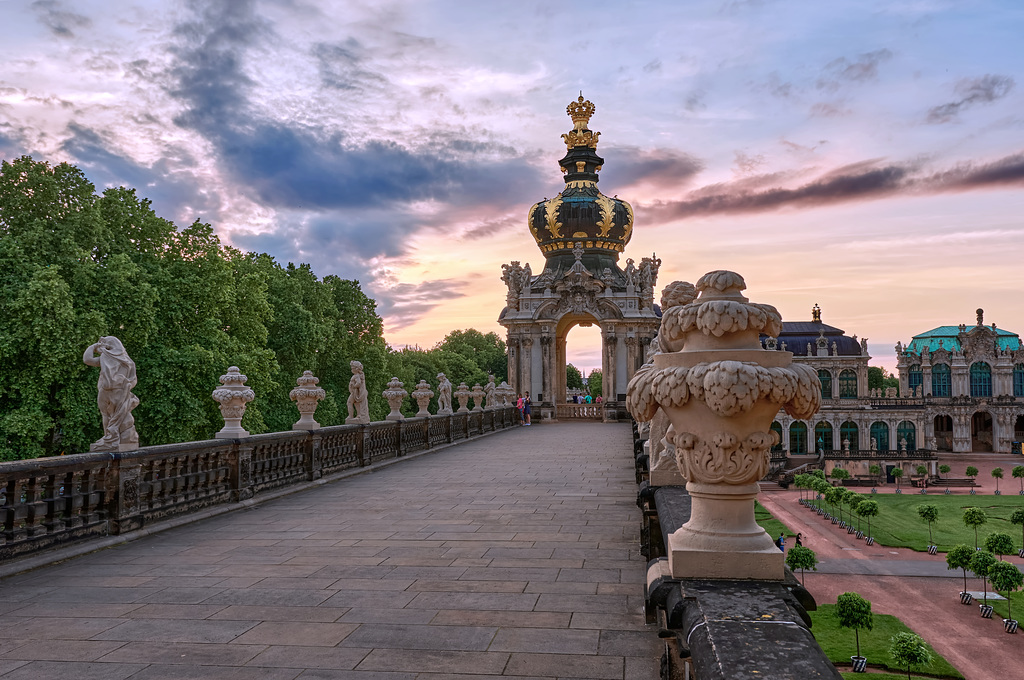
<point>395,395</point>
<point>444,395</point>
<point>489,395</point>
<point>358,398</point>
<point>462,394</point>
<point>306,396</point>
<point>478,397</point>
<point>114,397</point>
<point>422,394</point>
<point>232,396</point>
<point>721,392</point>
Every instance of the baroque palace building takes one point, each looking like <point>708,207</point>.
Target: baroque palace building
<point>961,389</point>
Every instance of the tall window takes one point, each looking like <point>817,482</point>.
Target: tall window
<point>849,432</point>
<point>880,433</point>
<point>1018,380</point>
<point>826,383</point>
<point>906,430</point>
<point>798,438</point>
<point>940,380</point>
<point>981,379</point>
<point>847,384</point>
<point>914,378</point>
<point>823,436</point>
<point>777,429</point>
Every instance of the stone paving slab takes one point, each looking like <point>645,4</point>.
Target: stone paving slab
<point>513,556</point>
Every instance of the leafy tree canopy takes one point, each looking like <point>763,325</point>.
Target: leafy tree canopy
<point>594,383</point>
<point>573,377</point>
<point>878,378</point>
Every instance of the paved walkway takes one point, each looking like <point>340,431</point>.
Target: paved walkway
<point>513,555</point>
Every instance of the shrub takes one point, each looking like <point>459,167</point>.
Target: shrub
<point>909,650</point>
<point>1000,544</point>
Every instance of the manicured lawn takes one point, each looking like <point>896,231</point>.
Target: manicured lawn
<point>768,522</point>
<point>897,523</point>
<point>1016,600</point>
<point>839,644</point>
<point>876,676</point>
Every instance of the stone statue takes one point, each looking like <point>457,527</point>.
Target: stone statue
<point>395,395</point>
<point>306,396</point>
<point>846,445</point>
<point>903,443</point>
<point>358,398</point>
<point>232,396</point>
<point>489,394</point>
<point>422,394</point>
<point>874,444</point>
<point>114,398</point>
<point>444,395</point>
<point>462,394</point>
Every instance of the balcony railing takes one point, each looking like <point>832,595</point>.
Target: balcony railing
<point>579,411</point>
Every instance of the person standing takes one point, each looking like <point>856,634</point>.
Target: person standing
<point>798,541</point>
<point>526,407</point>
<point>781,542</point>
<point>519,408</point>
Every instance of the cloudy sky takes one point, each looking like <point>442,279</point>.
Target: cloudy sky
<point>865,156</point>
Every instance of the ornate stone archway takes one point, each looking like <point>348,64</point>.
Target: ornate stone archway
<point>581,233</point>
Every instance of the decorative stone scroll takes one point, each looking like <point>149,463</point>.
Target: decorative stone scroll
<point>478,398</point>
<point>422,394</point>
<point>232,396</point>
<point>395,395</point>
<point>114,396</point>
<point>306,397</point>
<point>358,398</point>
<point>444,395</point>
<point>720,393</point>
<point>463,394</point>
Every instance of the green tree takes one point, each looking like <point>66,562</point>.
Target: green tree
<point>853,500</point>
<point>922,470</point>
<point>981,563</point>
<point>487,350</point>
<point>840,474</point>
<point>997,474</point>
<point>573,378</point>
<point>801,557</point>
<point>908,649</point>
<point>1018,518</point>
<point>854,612</point>
<point>878,378</point>
<point>974,518</point>
<point>594,383</point>
<point>898,474</point>
<point>999,544</point>
<point>868,508</point>
<point>1007,578</point>
<point>1018,473</point>
<point>959,557</point>
<point>875,469</point>
<point>944,469</point>
<point>834,497</point>
<point>971,471</point>
<point>929,513</point>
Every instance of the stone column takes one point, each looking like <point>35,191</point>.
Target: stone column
<point>721,393</point>
<point>548,371</point>
<point>526,367</point>
<point>232,397</point>
<point>608,365</point>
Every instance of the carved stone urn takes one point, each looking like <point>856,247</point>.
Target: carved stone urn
<point>395,394</point>
<point>720,393</point>
<point>232,396</point>
<point>306,396</point>
<point>478,398</point>
<point>463,394</point>
<point>504,393</point>
<point>422,394</point>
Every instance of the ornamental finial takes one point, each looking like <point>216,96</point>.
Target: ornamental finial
<point>580,111</point>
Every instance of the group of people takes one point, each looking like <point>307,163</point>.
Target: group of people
<point>523,404</point>
<point>587,399</point>
<point>781,541</point>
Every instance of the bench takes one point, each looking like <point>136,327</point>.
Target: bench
<point>952,481</point>
<point>858,482</point>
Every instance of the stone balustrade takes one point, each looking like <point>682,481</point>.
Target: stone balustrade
<point>51,502</point>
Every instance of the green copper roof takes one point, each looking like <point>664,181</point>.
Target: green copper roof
<point>948,336</point>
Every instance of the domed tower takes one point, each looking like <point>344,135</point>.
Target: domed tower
<point>581,233</point>
<point>581,216</point>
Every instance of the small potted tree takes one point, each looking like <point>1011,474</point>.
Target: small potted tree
<point>833,497</point>
<point>868,508</point>
<point>875,470</point>
<point>997,474</point>
<point>944,469</point>
<point>974,518</point>
<point>850,499</point>
<point>1018,473</point>
<point>929,513</point>
<point>972,472</point>
<point>854,612</point>
<point>959,557</point>
<point>897,473</point>
<point>1018,518</point>
<point>922,470</point>
<point>801,557</point>
<point>981,562</point>
<point>999,544</point>
<point>908,649</point>
<point>800,482</point>
<point>853,501</point>
<point>1006,577</point>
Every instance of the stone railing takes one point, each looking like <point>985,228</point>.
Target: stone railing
<point>51,502</point>
<point>867,454</point>
<point>579,411</point>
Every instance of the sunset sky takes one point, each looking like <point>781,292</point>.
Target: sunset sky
<point>865,156</point>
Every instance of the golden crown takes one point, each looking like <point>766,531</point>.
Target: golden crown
<point>580,111</point>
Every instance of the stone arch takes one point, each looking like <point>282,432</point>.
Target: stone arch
<point>908,431</point>
<point>824,437</point>
<point>880,433</point>
<point>981,431</point>
<point>825,377</point>
<point>941,380</point>
<point>943,428</point>
<point>798,437</point>
<point>981,379</point>
<point>849,431</point>
<point>847,384</point>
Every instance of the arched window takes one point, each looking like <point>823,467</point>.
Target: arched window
<point>826,383</point>
<point>1018,380</point>
<point>906,430</point>
<point>823,437</point>
<point>981,379</point>
<point>847,384</point>
<point>940,380</point>
<point>777,429</point>
<point>849,432</point>
<point>880,433</point>
<point>914,378</point>
<point>798,438</point>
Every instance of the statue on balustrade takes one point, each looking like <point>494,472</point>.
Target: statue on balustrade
<point>444,395</point>
<point>489,393</point>
<point>358,402</point>
<point>115,398</point>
